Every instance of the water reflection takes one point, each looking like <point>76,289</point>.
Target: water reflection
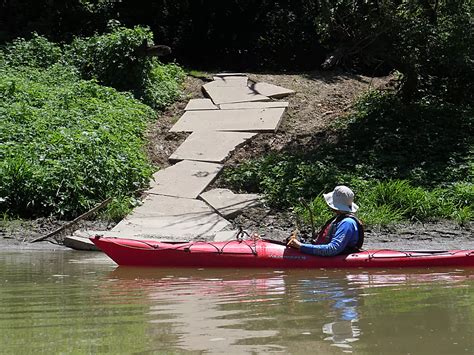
<point>343,300</point>
<point>81,303</point>
<point>259,311</point>
<point>199,307</point>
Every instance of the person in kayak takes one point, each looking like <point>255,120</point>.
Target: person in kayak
<point>342,234</point>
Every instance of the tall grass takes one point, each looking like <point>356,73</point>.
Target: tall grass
<point>384,203</point>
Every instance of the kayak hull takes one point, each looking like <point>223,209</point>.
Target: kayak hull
<point>265,254</point>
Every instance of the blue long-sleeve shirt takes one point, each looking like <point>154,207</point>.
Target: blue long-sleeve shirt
<point>346,235</point>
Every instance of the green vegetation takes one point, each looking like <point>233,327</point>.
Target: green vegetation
<point>114,59</point>
<point>404,161</point>
<point>415,142</point>
<point>69,143</point>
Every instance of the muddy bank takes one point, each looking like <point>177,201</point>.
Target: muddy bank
<point>270,224</point>
<point>17,234</point>
<point>403,236</point>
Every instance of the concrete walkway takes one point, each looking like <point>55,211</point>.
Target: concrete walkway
<point>176,207</point>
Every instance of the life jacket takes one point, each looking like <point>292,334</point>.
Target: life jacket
<point>327,231</point>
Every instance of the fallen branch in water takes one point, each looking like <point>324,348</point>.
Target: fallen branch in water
<point>74,221</point>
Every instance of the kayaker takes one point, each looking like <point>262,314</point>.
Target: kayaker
<point>342,234</point>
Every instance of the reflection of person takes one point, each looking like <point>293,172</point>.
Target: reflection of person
<point>342,333</point>
<point>342,234</point>
<point>343,301</point>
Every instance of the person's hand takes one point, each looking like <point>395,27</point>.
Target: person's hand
<point>293,242</point>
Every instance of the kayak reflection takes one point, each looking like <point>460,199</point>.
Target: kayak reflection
<point>238,311</point>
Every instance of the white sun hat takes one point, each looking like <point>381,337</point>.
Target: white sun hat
<point>341,199</point>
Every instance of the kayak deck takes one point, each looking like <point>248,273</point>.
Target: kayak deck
<point>262,253</point>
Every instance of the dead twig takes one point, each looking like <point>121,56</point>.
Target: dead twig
<point>311,217</point>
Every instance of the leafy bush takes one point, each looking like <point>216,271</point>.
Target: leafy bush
<point>67,143</point>
<point>114,59</point>
<point>164,85</point>
<point>36,52</point>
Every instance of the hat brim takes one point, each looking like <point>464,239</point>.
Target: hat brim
<point>339,207</point>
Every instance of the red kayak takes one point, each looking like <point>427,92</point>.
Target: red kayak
<point>261,253</point>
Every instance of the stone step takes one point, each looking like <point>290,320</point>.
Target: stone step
<point>200,104</point>
<point>185,179</point>
<point>271,90</point>
<point>228,94</point>
<point>210,146</point>
<point>220,81</point>
<point>255,104</point>
<point>230,74</point>
<point>246,120</point>
<point>172,218</point>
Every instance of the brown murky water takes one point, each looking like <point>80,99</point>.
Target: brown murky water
<point>72,302</point>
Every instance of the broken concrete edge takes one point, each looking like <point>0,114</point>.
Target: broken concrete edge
<point>229,212</point>
<point>80,243</point>
<point>271,90</point>
<point>246,94</point>
<point>200,104</point>
<point>254,105</point>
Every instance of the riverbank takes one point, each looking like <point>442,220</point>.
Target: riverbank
<point>441,235</point>
<point>321,99</point>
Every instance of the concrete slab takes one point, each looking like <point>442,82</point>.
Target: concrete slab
<point>228,81</point>
<point>255,104</point>
<point>185,179</point>
<point>86,234</point>
<point>229,204</point>
<point>79,243</point>
<point>210,146</point>
<point>248,120</point>
<point>172,217</point>
<point>200,104</point>
<point>270,90</point>
<point>228,94</point>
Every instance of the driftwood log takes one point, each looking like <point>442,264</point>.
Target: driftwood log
<point>74,221</point>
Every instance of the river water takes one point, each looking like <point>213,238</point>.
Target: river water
<point>77,302</point>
